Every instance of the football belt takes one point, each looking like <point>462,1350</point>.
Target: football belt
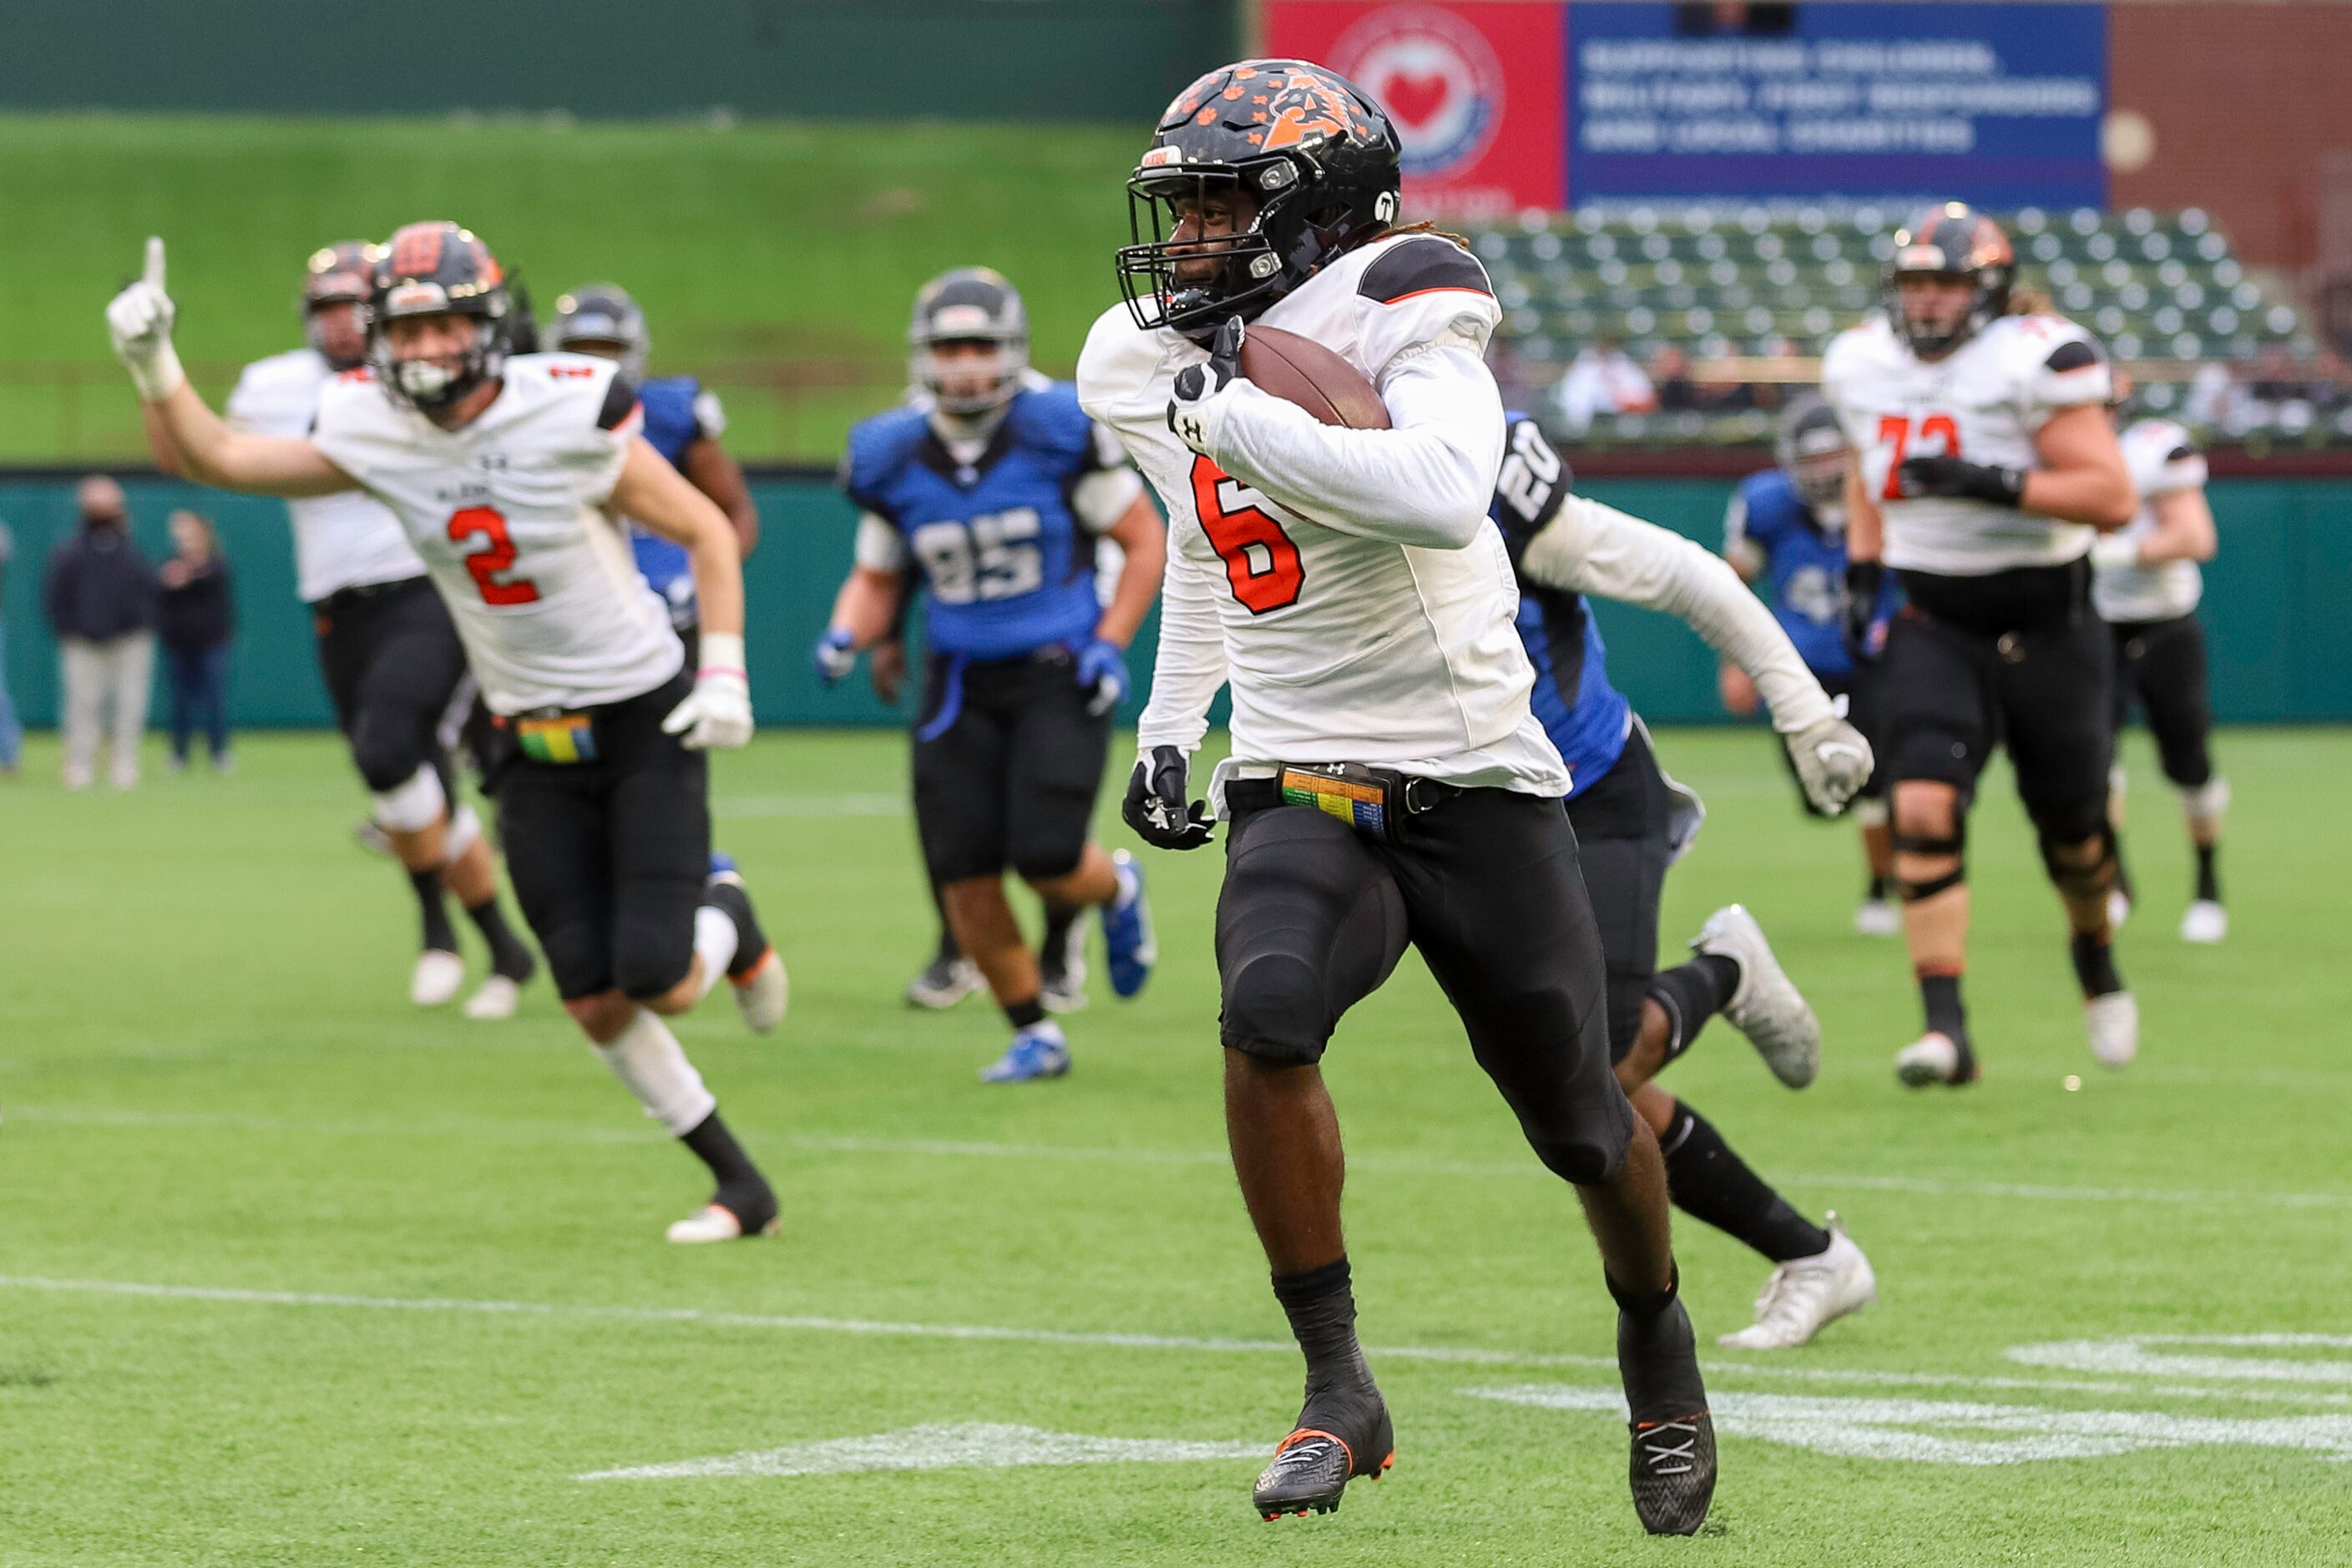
<point>558,738</point>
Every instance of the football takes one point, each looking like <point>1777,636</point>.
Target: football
<point>1302,371</point>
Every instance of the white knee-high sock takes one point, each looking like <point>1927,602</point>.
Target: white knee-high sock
<point>647,1058</point>
<point>715,937</point>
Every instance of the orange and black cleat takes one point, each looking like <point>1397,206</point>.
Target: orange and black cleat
<point>1313,1465</point>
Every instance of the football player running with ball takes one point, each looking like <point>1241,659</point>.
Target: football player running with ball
<point>1389,782</point>
<point>1985,464</point>
<point>995,488</point>
<point>2146,584</point>
<point>1787,527</point>
<point>390,657</point>
<point>1633,823</point>
<point>506,472</point>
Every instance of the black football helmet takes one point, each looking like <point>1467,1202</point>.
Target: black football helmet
<point>337,274</point>
<point>1812,447</point>
<point>434,269</point>
<point>1310,148</point>
<point>969,304</point>
<point>1951,239</point>
<point>603,313</point>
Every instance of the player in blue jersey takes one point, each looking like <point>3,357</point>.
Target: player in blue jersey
<point>1633,822</point>
<point>683,423</point>
<point>1786,528</point>
<point>993,487</point>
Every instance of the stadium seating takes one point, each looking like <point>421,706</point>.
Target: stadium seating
<point>1754,293</point>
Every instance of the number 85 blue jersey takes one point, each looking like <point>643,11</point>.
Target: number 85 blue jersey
<point>1007,559</point>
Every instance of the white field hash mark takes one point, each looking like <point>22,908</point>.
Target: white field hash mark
<point>947,1445</point>
<point>1218,1159</point>
<point>1458,1355</point>
<point>1969,1433</point>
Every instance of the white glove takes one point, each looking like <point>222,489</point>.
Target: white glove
<point>1832,761</point>
<point>717,714</point>
<point>2114,552</point>
<point>140,322</point>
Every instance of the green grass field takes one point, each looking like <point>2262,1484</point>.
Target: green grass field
<point>292,1274</point>
<point>752,246</point>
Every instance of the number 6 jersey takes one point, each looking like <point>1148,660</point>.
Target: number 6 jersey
<point>507,514</point>
<point>1342,640</point>
<point>1984,402</point>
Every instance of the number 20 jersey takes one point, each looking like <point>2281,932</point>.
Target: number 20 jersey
<point>507,514</point>
<point>1339,647</point>
<point>1984,403</point>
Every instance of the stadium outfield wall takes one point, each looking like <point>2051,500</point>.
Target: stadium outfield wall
<point>2281,646</point>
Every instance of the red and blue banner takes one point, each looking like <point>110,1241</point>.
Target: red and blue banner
<point>1507,105</point>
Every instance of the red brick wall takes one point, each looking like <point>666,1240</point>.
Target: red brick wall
<point>2247,99</point>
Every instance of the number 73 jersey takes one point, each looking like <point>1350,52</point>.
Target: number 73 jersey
<point>507,514</point>
<point>1984,402</point>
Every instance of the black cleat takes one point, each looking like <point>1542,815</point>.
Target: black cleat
<point>1673,1437</point>
<point>1313,1464</point>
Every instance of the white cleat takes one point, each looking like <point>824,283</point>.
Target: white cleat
<point>762,994</point>
<point>1805,1295</point>
<point>2119,908</point>
<point>1876,917</point>
<point>2113,1021</point>
<point>434,982</point>
<point>715,1222</point>
<point>495,999</point>
<point>1766,1007</point>
<point>2206,922</point>
<point>1932,1058</point>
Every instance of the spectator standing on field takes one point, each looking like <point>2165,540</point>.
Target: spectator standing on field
<point>198,623</point>
<point>100,596</point>
<point>12,735</point>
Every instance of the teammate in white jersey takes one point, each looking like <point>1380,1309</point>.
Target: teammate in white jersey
<point>2146,585</point>
<point>506,473</point>
<point>1389,782</point>
<point>1984,463</point>
<point>390,658</point>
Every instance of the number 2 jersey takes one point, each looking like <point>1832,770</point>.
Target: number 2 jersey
<point>508,516</point>
<point>1341,643</point>
<point>1984,402</point>
<point>1002,527</point>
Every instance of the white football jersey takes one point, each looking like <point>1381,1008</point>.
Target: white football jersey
<point>1339,647</point>
<point>2162,458</point>
<point>1984,402</point>
<point>507,514</point>
<point>346,541</point>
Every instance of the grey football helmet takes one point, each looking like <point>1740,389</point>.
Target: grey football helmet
<point>603,313</point>
<point>969,305</point>
<point>1812,447</point>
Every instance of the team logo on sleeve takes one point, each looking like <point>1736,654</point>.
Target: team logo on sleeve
<point>1437,77</point>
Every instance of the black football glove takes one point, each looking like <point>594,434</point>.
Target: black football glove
<point>1156,808</point>
<point>1959,477</point>
<point>1195,410</point>
<point>1864,638</point>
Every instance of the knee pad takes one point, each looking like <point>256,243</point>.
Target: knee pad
<point>1957,847</point>
<point>647,964</point>
<point>2206,801</point>
<point>1276,1011</point>
<point>465,828</point>
<point>411,805</point>
<point>1034,864</point>
<point>1871,813</point>
<point>387,752</point>
<point>1595,1152</point>
<point>2090,881</point>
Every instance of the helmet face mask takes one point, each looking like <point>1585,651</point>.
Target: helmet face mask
<point>1309,158</point>
<point>603,314</point>
<point>968,342</point>
<point>1957,246</point>
<point>1811,450</point>
<point>438,269</point>
<point>335,287</point>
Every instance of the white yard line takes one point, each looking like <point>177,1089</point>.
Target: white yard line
<point>949,1148</point>
<point>965,1445</point>
<point>1460,1356</point>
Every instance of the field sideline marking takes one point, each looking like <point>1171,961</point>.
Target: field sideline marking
<point>562,1132</point>
<point>1449,1354</point>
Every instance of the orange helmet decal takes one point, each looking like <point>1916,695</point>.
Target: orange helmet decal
<point>417,250</point>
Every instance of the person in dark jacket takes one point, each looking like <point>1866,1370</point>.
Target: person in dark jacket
<point>100,596</point>
<point>198,623</point>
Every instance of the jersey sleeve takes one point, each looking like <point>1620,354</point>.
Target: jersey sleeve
<point>346,430</point>
<point>709,416</point>
<point>1740,547</point>
<point>880,546</point>
<point>595,449</point>
<point>1838,367</point>
<point>1106,485</point>
<point>866,470</point>
<point>247,405</point>
<point>2068,371</point>
<point>1426,292</point>
<point>2176,465</point>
